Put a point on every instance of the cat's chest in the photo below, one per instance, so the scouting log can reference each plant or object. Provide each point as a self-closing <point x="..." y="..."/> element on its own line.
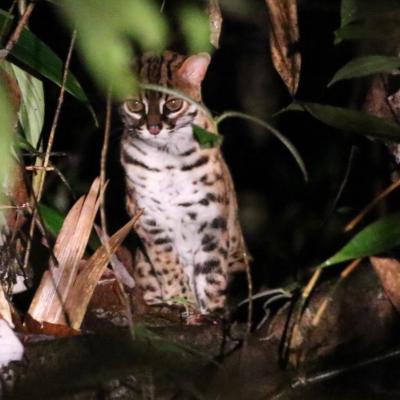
<point x="168" y="184"/>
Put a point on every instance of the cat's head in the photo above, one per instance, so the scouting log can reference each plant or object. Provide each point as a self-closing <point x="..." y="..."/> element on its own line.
<point x="156" y="115"/>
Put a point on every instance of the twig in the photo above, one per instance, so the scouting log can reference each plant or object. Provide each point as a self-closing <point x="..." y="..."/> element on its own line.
<point x="344" y="274"/>
<point x="38" y="168"/>
<point x="42" y="175"/>
<point x="250" y="294"/>
<point x="342" y="186"/>
<point x="372" y="204"/>
<point x="103" y="162"/>
<point x="5" y="23"/>
<point x="17" y="32"/>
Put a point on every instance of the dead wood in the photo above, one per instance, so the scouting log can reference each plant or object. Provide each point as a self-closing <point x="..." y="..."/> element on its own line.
<point x="359" y="322"/>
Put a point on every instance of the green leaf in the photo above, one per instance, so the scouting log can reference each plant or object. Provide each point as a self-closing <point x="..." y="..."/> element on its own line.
<point x="379" y="28"/>
<point x="205" y="138"/>
<point x="32" y="52"/>
<point x="350" y="120"/>
<point x="6" y="136"/>
<point x="105" y="31"/>
<point x="364" y="66"/>
<point x="195" y="26"/>
<point x="376" y="238"/>
<point x="31" y="111"/>
<point x="52" y="219"/>
<point x="352" y="10"/>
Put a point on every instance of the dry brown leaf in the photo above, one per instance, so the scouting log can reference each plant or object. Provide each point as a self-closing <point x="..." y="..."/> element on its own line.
<point x="32" y="326"/>
<point x="48" y="302"/>
<point x="80" y="295"/>
<point x="284" y="35"/>
<point x="215" y="21"/>
<point x="388" y="271"/>
<point x="118" y="267"/>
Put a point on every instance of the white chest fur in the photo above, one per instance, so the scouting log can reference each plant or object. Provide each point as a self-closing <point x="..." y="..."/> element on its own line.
<point x="169" y="188"/>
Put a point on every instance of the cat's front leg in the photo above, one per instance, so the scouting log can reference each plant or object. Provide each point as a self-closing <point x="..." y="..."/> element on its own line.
<point x="210" y="267"/>
<point x="165" y="263"/>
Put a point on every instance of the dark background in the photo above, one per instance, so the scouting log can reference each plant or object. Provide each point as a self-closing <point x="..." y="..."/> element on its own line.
<point x="290" y="225"/>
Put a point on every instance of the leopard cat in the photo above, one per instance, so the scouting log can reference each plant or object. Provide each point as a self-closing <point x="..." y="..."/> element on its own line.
<point x="189" y="227"/>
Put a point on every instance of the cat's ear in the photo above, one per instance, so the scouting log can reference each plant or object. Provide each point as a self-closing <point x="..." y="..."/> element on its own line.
<point x="194" y="68"/>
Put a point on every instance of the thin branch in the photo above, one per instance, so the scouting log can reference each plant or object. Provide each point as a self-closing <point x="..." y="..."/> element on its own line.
<point x="50" y="142"/>
<point x="17" y="32"/>
<point x="352" y="224"/>
<point x="103" y="162"/>
<point x="286" y="142"/>
<point x="5" y="23"/>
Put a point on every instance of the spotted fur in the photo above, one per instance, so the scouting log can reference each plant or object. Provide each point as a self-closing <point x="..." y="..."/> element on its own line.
<point x="189" y="227"/>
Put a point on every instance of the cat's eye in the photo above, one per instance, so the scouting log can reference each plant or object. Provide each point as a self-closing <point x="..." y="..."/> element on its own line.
<point x="174" y="105"/>
<point x="134" y="105"/>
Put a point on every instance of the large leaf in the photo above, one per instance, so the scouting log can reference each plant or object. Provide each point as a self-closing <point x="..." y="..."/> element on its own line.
<point x="31" y="110"/>
<point x="350" y="120"/>
<point x="364" y="66"/>
<point x="352" y="10"/>
<point x="31" y="51"/>
<point x="195" y="26"/>
<point x="377" y="28"/>
<point x="6" y="135"/>
<point x="376" y="238"/>
<point x="52" y="219"/>
<point x="105" y="31"/>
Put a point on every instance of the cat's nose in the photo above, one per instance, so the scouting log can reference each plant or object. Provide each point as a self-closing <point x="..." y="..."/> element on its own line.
<point x="154" y="129"/>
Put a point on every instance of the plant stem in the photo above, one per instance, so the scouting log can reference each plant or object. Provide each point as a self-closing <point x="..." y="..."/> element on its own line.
<point x="288" y="144"/>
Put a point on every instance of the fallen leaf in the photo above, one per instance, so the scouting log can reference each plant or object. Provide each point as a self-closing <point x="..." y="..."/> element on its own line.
<point x="118" y="266"/>
<point x="48" y="302"/>
<point x="82" y="291"/>
<point x="31" y="326"/>
<point x="284" y="35"/>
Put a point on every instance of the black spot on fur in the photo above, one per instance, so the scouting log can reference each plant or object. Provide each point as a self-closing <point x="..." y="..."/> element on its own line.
<point x="206" y="267"/>
<point x="198" y="163"/>
<point x="188" y="152"/>
<point x="162" y="240"/>
<point x="188" y="204"/>
<point x="204" y="202"/>
<point x="155" y="231"/>
<point x="223" y="252"/>
<point x="128" y="159"/>
<point x="207" y="239"/>
<point x="202" y="227"/>
<point x="218" y="223"/>
<point x="211" y="280"/>
<point x="210" y="247"/>
<point x="211" y="197"/>
<point x="150" y="288"/>
<point x="192" y="216"/>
